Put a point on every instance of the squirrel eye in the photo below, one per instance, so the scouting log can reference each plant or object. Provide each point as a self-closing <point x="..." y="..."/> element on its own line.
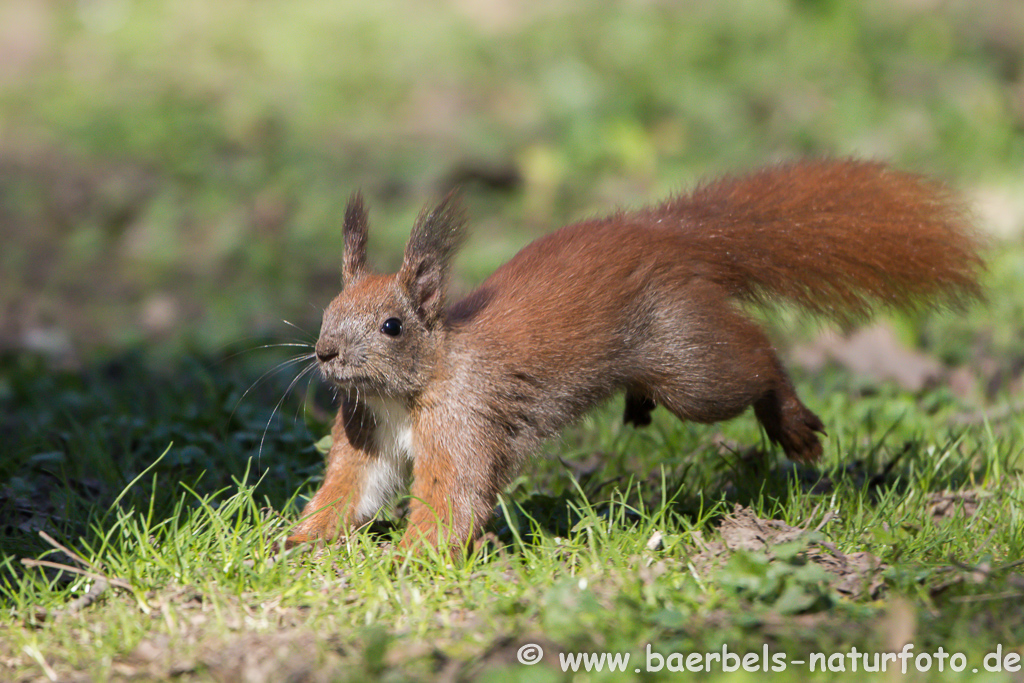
<point x="392" y="327"/>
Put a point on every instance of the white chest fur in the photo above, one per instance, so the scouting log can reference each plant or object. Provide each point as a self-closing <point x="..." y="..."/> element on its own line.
<point x="393" y="433"/>
<point x="388" y="472"/>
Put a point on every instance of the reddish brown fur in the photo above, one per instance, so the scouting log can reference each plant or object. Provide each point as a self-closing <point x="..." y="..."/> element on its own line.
<point x="642" y="302"/>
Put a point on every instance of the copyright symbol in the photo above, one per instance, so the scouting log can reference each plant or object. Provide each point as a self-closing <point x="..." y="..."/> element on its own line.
<point x="530" y="654"/>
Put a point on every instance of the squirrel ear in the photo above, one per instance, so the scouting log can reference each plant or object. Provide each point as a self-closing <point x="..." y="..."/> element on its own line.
<point x="436" y="236"/>
<point x="355" y="230"/>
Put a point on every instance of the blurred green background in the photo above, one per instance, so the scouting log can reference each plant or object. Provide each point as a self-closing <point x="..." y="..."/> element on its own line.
<point x="173" y="173"/>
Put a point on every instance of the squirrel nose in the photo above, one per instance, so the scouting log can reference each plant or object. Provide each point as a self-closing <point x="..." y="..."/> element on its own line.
<point x="326" y="349"/>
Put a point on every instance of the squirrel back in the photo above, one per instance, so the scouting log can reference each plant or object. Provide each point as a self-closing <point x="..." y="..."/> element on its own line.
<point x="839" y="238"/>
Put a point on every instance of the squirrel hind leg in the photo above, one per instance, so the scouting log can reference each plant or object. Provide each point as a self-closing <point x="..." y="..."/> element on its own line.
<point x="789" y="423"/>
<point x="786" y="420"/>
<point x="638" y="409"/>
<point x="715" y="363"/>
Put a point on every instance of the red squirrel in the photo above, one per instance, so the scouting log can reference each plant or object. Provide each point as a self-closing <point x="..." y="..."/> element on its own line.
<point x="644" y="302"/>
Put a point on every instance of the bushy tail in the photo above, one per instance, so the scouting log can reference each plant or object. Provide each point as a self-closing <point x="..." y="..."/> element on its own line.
<point x="838" y="237"/>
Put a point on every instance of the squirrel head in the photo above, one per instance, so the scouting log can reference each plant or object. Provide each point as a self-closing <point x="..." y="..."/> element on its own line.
<point x="384" y="334"/>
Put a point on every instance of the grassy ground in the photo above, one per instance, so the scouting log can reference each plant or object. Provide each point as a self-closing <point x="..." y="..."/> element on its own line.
<point x="171" y="179"/>
<point x="913" y="530"/>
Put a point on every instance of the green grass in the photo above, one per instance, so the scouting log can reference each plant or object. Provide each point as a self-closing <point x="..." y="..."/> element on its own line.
<point x="172" y="176"/>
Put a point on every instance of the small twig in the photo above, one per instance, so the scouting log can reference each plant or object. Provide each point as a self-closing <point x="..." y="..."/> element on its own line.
<point x="73" y="555"/>
<point x="101" y="582"/>
<point x="829" y="516"/>
<point x="987" y="571"/>
<point x="1011" y="565"/>
<point x="75" y="570"/>
<point x="97" y="589"/>
<point x="810" y="517"/>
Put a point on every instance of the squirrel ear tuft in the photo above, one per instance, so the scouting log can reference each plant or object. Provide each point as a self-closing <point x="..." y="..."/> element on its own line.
<point x="356" y="228"/>
<point x="436" y="237"/>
